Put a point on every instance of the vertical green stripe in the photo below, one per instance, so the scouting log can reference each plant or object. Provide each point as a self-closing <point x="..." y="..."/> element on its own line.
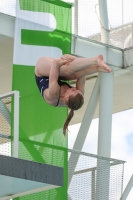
<point x="41" y="124"/>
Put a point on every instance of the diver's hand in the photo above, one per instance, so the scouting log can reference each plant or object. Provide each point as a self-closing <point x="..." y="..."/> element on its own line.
<point x="59" y="62"/>
<point x="68" y="57"/>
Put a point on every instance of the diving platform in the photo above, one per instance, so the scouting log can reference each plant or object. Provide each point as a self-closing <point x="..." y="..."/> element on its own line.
<point x="20" y="177"/>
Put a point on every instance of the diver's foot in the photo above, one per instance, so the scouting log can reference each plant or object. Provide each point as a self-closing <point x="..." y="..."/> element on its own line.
<point x="102" y="67"/>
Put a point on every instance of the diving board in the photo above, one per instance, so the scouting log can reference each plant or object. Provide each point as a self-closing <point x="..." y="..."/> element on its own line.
<point x="20" y="177"/>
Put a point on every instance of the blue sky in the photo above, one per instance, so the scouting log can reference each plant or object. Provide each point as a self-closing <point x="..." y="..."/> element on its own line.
<point x="121" y="145"/>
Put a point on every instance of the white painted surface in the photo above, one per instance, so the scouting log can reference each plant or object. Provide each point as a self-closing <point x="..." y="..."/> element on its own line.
<point x="128" y="189"/>
<point x="82" y="134"/>
<point x="16" y="125"/>
<point x="14" y="187"/>
<point x="83" y="48"/>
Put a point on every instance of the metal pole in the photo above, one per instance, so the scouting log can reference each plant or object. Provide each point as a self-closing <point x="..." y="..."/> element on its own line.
<point x="75" y="24"/>
<point x="16" y="124"/>
<point x="128" y="189"/>
<point x="93" y="184"/>
<point x="104" y="21"/>
<point x="88" y="116"/>
<point x="76" y="17"/>
<point x="132" y="34"/>
<point x="105" y="115"/>
<point x="104" y="135"/>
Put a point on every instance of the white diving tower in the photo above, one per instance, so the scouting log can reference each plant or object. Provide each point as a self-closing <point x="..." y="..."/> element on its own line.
<point x="117" y="58"/>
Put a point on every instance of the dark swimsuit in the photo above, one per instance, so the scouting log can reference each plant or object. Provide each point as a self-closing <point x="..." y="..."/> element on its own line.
<point x="43" y="84"/>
